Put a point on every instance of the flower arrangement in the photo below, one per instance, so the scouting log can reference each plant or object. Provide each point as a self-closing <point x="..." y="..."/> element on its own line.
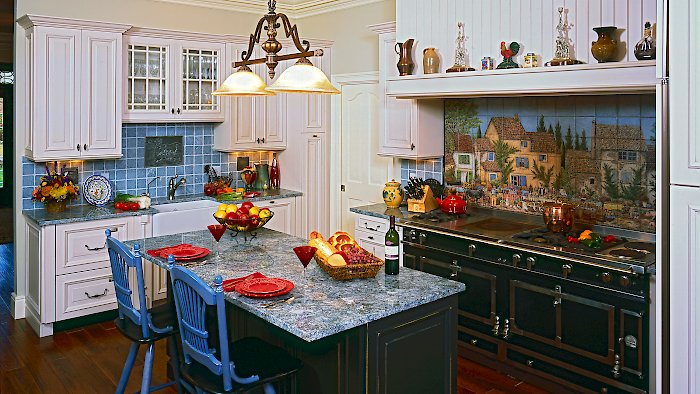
<point x="55" y="186"/>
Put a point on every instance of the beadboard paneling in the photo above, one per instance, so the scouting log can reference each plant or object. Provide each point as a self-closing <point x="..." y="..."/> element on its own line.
<point x="530" y="22"/>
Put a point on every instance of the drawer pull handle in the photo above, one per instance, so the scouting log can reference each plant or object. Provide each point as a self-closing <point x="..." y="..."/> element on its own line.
<point x="96" y="249"/>
<point x="97" y="295"/>
<point x="114" y="229"/>
<point x="530" y="363"/>
<point x="370" y="228"/>
<point x="370" y="237"/>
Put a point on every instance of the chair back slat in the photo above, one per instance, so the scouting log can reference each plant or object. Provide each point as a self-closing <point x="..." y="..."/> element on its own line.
<point x="121" y="261"/>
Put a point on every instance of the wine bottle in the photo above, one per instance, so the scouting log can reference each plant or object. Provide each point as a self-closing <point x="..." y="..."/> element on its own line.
<point x="391" y="249"/>
<point x="274" y="173"/>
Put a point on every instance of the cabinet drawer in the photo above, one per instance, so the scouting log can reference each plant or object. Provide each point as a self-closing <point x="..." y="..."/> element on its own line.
<point x="371" y="224"/>
<point x="81" y="246"/>
<point x="371" y="242"/>
<point x="84" y="293"/>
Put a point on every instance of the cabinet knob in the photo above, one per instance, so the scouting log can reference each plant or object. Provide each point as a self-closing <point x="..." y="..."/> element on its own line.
<point x="172" y="111"/>
<point x="84" y="146"/>
<point x="263" y="140"/>
<point x="78" y="147"/>
<point x="413" y="147"/>
<point x="178" y="111"/>
<point x="257" y="140"/>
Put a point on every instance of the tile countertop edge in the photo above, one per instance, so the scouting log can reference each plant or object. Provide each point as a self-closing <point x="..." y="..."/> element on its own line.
<point x="84" y="212"/>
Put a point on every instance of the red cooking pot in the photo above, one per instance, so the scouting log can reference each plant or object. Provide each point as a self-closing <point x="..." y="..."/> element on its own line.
<point x="453" y="204"/>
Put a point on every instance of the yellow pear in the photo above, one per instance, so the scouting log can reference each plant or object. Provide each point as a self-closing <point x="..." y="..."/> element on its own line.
<point x="231" y="208"/>
<point x="254" y="211"/>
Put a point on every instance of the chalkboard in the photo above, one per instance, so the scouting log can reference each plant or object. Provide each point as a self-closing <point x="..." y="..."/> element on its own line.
<point x="164" y="151"/>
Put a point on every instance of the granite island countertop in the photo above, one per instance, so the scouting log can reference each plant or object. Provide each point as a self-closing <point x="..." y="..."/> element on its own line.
<point x="383" y="212"/>
<point x="326" y="306"/>
<point x="84" y="212"/>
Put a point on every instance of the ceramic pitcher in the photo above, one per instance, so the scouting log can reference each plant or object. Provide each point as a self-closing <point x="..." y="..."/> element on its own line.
<point x="392" y="194"/>
<point x="405" y="50"/>
<point x="431" y="61"/>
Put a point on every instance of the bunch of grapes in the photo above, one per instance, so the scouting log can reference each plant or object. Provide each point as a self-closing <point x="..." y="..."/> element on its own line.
<point x="357" y="255"/>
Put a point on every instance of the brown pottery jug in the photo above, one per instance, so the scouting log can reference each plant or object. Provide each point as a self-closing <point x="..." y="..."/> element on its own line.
<point x="431" y="61"/>
<point x="404" y="50"/>
<point x="605" y="48"/>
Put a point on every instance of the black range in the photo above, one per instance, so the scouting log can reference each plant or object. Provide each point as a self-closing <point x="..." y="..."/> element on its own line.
<point x="562" y="315"/>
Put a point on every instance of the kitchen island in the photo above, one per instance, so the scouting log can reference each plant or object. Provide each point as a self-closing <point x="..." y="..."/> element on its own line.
<point x="388" y="334"/>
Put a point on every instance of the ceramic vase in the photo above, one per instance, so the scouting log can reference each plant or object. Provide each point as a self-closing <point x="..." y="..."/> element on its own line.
<point x="646" y="47"/>
<point x="605" y="49"/>
<point x="392" y="194"/>
<point x="404" y="50"/>
<point x="262" y="180"/>
<point x="55" y="206"/>
<point x="431" y="61"/>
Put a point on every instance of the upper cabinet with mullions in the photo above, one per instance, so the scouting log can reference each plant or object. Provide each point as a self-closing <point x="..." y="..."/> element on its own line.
<point x="170" y="77"/>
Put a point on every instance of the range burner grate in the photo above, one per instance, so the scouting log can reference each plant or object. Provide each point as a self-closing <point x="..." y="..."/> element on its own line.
<point x="438" y="216"/>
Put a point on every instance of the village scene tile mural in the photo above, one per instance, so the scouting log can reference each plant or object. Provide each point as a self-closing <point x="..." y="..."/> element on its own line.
<point x="596" y="152"/>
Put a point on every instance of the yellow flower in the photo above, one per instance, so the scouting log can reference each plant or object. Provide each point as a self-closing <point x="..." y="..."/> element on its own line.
<point x="58" y="193"/>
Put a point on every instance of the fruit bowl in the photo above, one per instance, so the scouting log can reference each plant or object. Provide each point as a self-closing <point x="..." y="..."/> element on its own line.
<point x="248" y="225"/>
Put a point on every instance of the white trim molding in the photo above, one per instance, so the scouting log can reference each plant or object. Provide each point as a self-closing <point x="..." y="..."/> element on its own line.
<point x="297" y="9"/>
<point x="17" y="306"/>
<point x="29" y="21"/>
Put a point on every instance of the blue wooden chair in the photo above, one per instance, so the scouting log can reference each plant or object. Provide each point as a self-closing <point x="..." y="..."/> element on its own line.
<point x="234" y="367"/>
<point x="142" y="326"/>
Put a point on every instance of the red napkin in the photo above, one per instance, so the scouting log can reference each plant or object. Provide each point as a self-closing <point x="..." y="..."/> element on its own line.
<point x="157" y="252"/>
<point x="229" y="284"/>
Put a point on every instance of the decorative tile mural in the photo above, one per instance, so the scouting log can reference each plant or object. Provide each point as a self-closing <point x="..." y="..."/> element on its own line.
<point x="597" y="152"/>
<point x="130" y="174"/>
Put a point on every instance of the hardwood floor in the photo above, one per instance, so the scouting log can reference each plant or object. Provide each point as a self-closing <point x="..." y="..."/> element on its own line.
<point x="90" y="359"/>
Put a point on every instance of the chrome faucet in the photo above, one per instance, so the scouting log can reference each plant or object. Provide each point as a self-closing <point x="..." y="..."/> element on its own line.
<point x="173" y="185"/>
<point x="148" y="187"/>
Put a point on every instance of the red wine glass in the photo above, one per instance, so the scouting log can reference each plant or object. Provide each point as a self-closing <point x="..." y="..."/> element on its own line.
<point x="305" y="254"/>
<point x="217" y="231"/>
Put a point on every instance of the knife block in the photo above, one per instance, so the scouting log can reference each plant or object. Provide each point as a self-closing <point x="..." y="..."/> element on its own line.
<point x="425" y="204"/>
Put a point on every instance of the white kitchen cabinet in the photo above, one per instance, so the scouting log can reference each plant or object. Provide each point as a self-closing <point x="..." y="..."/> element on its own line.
<point x="253" y="123"/>
<point x="170" y="76"/>
<point x="73" y="85"/>
<point x="284" y="210"/>
<point x="411" y="129"/>
<point x="69" y="273"/>
<point x="370" y="232"/>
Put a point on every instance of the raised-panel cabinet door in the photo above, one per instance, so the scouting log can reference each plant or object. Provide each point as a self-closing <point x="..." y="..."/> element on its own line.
<point x="316" y="184"/>
<point x="149" y="72"/>
<point x="396" y="119"/>
<point x="200" y="73"/>
<point x="56" y="121"/>
<point x="101" y="89"/>
<point x="684" y="104"/>
<point x="273" y="130"/>
<point x="283" y="218"/>
<point x="684" y="297"/>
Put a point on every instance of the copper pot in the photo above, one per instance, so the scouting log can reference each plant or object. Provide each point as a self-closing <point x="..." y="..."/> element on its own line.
<point x="558" y="217"/>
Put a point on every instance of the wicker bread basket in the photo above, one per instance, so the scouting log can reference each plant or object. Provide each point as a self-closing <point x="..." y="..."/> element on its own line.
<point x="351" y="271"/>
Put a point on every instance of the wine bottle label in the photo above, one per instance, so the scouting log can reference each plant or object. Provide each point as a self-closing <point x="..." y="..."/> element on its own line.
<point x="391" y="252"/>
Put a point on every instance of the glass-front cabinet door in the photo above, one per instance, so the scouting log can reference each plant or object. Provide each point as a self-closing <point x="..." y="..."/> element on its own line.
<point x="200" y="74"/>
<point x="147" y="80"/>
<point x="172" y="80"/>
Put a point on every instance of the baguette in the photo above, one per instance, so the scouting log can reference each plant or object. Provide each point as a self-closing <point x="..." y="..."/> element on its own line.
<point x="324" y="250"/>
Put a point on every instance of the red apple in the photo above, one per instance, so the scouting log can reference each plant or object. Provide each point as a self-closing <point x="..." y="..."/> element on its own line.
<point x="232" y="218"/>
<point x="243" y="218"/>
<point x="247" y="205"/>
<point x="243" y="210"/>
<point x="254" y="221"/>
<point x="209" y="189"/>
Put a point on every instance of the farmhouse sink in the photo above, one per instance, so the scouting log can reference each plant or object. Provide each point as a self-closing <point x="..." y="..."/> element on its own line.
<point x="180" y="217"/>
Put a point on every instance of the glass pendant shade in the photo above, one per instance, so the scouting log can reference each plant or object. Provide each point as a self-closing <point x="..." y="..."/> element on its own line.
<point x="303" y="77"/>
<point x="243" y="83"/>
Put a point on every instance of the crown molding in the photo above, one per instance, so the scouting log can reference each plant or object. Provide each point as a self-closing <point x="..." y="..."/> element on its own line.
<point x="302" y="9"/>
<point x="380" y="28"/>
<point x="29" y="21"/>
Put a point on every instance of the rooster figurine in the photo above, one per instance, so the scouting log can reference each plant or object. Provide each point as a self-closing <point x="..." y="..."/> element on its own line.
<point x="508" y="52"/>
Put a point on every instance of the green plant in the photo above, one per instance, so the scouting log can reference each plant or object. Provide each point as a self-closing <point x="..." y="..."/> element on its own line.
<point x="610" y="186"/>
<point x="540" y="125"/>
<point x="634" y="191"/>
<point x="542" y="174"/>
<point x="502" y="153"/>
<point x="557" y="133"/>
<point x="584" y="141"/>
<point x="569" y="144"/>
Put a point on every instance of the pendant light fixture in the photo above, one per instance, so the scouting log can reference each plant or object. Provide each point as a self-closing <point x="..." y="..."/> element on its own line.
<point x="302" y="77"/>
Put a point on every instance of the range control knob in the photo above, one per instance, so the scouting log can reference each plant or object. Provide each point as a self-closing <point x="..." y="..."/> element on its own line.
<point x="566" y="270"/>
<point x="501" y="260"/>
<point x="516" y="259"/>
<point x="412" y="235"/>
<point x="530" y="262"/>
<point x="625" y="281"/>
<point x="471" y="250"/>
<point x="606" y="277"/>
<point x="421" y="238"/>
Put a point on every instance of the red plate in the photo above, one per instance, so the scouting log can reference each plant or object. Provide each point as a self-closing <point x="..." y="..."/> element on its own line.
<point x="159" y="251"/>
<point x="262" y="285"/>
<point x="186" y="252"/>
<point x="204" y="253"/>
<point x="230" y="284"/>
<point x="289" y="286"/>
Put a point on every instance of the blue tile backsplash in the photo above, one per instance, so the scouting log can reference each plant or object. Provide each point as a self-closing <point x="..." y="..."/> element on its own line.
<point x="129" y="174"/>
<point x="424" y="169"/>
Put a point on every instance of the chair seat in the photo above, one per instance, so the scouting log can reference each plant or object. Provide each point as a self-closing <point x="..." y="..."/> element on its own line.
<point x="251" y="356"/>
<point x="162" y="316"/>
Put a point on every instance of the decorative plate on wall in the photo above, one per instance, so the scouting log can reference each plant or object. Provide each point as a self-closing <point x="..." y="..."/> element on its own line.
<point x="97" y="190"/>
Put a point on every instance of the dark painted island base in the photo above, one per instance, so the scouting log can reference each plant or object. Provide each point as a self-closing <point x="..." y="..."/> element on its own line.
<point x="414" y="351"/>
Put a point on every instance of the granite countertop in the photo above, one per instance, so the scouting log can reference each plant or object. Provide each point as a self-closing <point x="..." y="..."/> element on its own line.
<point x="326" y="306"/>
<point x="84" y="212"/>
<point x="383" y="212"/>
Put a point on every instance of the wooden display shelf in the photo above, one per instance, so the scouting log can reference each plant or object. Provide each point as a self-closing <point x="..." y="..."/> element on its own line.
<point x="605" y="78"/>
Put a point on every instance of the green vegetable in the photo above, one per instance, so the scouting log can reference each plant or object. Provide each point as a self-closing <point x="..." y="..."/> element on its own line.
<point x="229" y="197"/>
<point x="596" y="237"/>
<point x="123" y="197"/>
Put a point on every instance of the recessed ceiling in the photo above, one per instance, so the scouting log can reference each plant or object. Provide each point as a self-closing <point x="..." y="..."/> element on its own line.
<point x="294" y="8"/>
